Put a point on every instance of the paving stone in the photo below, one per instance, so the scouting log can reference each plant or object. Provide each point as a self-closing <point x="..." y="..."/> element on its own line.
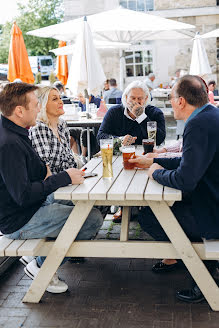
<point x="106" y="225"/>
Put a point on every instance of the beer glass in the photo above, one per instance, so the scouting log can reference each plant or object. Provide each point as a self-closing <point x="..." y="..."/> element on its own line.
<point x="148" y="145"/>
<point x="128" y="152"/>
<point x="152" y="130"/>
<point x="106" y="147"/>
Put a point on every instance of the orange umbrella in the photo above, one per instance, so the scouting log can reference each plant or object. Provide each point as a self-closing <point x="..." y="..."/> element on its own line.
<point x="62" y="66"/>
<point x="18" y="62"/>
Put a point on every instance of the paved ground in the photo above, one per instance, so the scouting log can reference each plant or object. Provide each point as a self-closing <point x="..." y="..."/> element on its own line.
<point x="105" y="293"/>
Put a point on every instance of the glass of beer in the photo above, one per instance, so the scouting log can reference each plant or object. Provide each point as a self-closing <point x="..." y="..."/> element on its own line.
<point x="152" y="130"/>
<point x="128" y="152"/>
<point x="148" y="145"/>
<point x="106" y="146"/>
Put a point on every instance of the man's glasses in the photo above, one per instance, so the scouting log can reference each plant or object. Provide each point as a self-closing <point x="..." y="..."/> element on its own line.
<point x="170" y="97"/>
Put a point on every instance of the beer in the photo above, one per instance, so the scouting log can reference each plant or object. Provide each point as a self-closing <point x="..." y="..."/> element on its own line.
<point x="148" y="145"/>
<point x="106" y="146"/>
<point x="128" y="152"/>
<point x="152" y="134"/>
<point x="152" y="130"/>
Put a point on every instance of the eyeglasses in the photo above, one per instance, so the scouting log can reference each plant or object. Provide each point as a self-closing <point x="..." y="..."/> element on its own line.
<point x="170" y="97"/>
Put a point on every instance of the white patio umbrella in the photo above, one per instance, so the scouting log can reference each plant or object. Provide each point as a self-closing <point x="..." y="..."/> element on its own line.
<point x="199" y="62"/>
<point x="212" y="34"/>
<point x="118" y="25"/>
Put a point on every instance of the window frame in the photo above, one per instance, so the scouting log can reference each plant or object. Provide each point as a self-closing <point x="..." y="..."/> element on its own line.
<point x="133" y="50"/>
<point x="147" y="6"/>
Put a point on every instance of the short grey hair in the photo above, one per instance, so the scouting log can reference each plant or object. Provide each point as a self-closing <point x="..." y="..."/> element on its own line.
<point x="151" y="75"/>
<point x="43" y="95"/>
<point x="136" y="85"/>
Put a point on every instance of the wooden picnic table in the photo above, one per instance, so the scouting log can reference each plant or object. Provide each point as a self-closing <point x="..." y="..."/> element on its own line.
<point x="127" y="188"/>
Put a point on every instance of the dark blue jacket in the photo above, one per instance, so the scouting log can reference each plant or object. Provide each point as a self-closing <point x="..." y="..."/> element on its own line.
<point x="115" y="123"/>
<point x="93" y="100"/>
<point x="197" y="171"/>
<point x="22" y="173"/>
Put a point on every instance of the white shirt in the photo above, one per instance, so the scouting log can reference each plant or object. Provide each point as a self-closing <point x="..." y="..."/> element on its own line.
<point x="138" y="119"/>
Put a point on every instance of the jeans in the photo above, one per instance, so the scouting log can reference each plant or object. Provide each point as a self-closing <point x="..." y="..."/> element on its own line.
<point x="49" y="220"/>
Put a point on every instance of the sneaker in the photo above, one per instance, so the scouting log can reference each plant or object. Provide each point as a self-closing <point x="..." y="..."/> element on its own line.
<point x="26" y="259"/>
<point x="55" y="286"/>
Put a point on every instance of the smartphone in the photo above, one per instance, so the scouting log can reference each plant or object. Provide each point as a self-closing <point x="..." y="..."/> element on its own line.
<point x="90" y="175"/>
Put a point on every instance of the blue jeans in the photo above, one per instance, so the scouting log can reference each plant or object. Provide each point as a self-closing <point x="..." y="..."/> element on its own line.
<point x="49" y="220"/>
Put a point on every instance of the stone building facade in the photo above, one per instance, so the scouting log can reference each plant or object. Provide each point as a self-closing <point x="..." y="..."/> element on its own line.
<point x="163" y="57"/>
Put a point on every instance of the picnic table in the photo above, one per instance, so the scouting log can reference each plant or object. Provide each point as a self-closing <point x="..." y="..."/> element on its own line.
<point x="127" y="188"/>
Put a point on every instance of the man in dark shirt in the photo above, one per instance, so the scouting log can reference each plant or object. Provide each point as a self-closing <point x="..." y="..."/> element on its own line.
<point x="196" y="173"/>
<point x="130" y="119"/>
<point x="27" y="206"/>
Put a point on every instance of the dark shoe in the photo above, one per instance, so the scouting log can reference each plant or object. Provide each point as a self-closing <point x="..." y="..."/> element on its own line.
<point x="117" y="217"/>
<point x="193" y="295"/>
<point x="161" y="267"/>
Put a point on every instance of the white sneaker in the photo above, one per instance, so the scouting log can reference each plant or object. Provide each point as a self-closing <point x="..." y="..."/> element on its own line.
<point x="55" y="286"/>
<point x="26" y="259"/>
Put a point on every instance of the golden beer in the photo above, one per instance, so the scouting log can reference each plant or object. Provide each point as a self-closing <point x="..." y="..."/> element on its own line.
<point x="106" y="146"/>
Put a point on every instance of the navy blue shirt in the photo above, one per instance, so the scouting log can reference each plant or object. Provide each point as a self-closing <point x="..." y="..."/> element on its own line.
<point x="197" y="171"/>
<point x="93" y="100"/>
<point x="115" y="123"/>
<point x="22" y="174"/>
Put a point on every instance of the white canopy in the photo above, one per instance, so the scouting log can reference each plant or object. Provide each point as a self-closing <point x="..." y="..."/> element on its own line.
<point x="212" y="34"/>
<point x="86" y="71"/>
<point x="118" y="25"/>
<point x="199" y="63"/>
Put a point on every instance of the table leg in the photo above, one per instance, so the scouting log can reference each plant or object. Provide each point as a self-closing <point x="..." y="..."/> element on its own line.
<point x="188" y="254"/>
<point x="61" y="246"/>
<point x="88" y="144"/>
<point x="126" y="213"/>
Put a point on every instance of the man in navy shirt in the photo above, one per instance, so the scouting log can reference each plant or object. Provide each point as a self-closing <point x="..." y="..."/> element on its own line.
<point x="27" y="206"/>
<point x="196" y="173"/>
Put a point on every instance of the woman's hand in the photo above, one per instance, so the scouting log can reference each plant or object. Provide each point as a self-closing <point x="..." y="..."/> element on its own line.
<point x="76" y="175"/>
<point x="142" y="162"/>
<point x="48" y="173"/>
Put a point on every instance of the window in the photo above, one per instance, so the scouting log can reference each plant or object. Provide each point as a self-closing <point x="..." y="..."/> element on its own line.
<point x="138" y="62"/>
<point x="138" y="5"/>
<point x="46" y="62"/>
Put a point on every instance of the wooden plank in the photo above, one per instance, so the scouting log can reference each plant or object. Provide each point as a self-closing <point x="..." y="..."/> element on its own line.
<point x="172" y="194"/>
<point x="137" y="186"/>
<point x="101" y="188"/>
<point x="124" y="233"/>
<point x="4" y="243"/>
<point x="118" y="189"/>
<point x="12" y="249"/>
<point x="211" y="248"/>
<point x="153" y="191"/>
<point x="30" y="247"/>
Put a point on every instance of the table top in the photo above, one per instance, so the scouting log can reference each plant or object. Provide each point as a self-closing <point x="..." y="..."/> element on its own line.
<point x="125" y="185"/>
<point x="82" y="121"/>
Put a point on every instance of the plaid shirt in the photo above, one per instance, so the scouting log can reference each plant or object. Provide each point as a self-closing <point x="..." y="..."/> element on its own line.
<point x="57" y="154"/>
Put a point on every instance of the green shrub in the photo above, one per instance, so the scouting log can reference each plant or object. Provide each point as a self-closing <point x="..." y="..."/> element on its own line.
<point x="52" y="78"/>
<point x="38" y="78"/>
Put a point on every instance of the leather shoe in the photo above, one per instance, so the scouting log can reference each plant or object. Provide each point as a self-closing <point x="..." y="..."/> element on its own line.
<point x="193" y="295"/>
<point x="161" y="267"/>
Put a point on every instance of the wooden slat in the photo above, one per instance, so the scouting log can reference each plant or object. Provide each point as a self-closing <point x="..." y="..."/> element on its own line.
<point x="12" y="249"/>
<point x="137" y="186"/>
<point x="211" y="248"/>
<point x="124" y="234"/>
<point x="154" y="191"/>
<point x="4" y="243"/>
<point x="118" y="189"/>
<point x="101" y="188"/>
<point x="30" y="247"/>
<point x="172" y="194"/>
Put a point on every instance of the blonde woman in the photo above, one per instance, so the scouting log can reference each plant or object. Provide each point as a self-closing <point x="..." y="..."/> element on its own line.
<point x="51" y="137"/>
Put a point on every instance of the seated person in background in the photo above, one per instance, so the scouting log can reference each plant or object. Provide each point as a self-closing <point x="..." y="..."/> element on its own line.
<point x="58" y="85"/>
<point x="92" y="100"/>
<point x="129" y="120"/>
<point x="149" y="81"/>
<point x="50" y="136"/>
<point x="196" y="173"/>
<point x="211" y="88"/>
<point x="106" y="86"/>
<point x="175" y="78"/>
<point x="27" y="208"/>
<point x="113" y="95"/>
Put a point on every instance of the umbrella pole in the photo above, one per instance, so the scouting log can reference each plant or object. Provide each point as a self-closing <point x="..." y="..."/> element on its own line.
<point x="88" y="129"/>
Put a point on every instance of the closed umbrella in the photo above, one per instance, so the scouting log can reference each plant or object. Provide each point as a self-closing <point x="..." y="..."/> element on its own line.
<point x="199" y="63"/>
<point x="212" y="34"/>
<point x="18" y="62"/>
<point x="62" y="65"/>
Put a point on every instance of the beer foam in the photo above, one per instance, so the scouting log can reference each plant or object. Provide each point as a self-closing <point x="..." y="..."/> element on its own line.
<point x="128" y="150"/>
<point x="106" y="146"/>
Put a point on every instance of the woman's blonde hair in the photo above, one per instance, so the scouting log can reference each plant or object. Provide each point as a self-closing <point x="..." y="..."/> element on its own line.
<point x="43" y="95"/>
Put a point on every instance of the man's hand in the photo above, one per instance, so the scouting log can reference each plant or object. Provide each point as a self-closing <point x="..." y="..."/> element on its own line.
<point x="128" y="140"/>
<point x="151" y="155"/>
<point x="136" y="108"/>
<point x="142" y="162"/>
<point x="153" y="168"/>
<point x="76" y="175"/>
<point x="48" y="173"/>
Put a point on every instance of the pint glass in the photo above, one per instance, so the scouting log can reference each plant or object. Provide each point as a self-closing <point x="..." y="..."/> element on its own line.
<point x="152" y="130"/>
<point x="106" y="146"/>
<point x="128" y="152"/>
<point x="148" y="145"/>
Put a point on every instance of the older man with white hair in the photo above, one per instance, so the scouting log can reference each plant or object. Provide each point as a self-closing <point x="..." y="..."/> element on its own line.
<point x="149" y="81"/>
<point x="129" y="119"/>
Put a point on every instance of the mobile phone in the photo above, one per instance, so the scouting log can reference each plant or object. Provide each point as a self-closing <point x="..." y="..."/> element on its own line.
<point x="90" y="175"/>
